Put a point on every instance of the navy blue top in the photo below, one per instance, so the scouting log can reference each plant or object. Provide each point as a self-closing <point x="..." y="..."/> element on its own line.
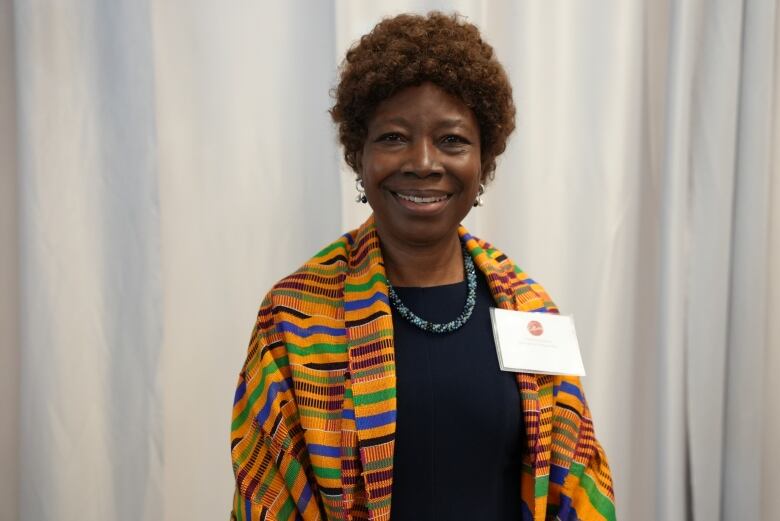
<point x="460" y="435"/>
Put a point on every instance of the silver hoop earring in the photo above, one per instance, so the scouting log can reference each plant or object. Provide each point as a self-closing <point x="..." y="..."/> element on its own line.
<point x="478" y="200"/>
<point x="361" y="191"/>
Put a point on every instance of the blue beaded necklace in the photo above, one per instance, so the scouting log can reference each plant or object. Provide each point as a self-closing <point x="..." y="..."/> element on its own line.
<point x="449" y="327"/>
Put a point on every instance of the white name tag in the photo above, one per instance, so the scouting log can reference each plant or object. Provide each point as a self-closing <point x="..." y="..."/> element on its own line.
<point x="536" y="342"/>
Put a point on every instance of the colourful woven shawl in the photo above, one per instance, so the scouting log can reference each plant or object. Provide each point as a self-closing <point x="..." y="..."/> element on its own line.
<point x="314" y="414"/>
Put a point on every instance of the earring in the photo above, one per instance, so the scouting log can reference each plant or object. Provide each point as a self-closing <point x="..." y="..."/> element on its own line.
<point x="361" y="191"/>
<point x="478" y="200"/>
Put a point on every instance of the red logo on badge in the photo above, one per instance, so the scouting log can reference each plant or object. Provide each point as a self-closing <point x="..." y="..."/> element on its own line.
<point x="535" y="328"/>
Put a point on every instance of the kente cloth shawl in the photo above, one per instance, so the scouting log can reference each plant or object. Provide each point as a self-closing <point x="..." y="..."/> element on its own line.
<point x="314" y="413"/>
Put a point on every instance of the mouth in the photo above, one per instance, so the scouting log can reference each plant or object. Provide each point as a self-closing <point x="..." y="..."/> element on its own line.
<point x="422" y="201"/>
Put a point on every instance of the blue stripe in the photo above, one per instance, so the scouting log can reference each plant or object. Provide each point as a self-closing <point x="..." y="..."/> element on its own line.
<point x="566" y="512"/>
<point x="304" y="499"/>
<point x="240" y="392"/>
<point x="558" y="474"/>
<point x="289" y="327"/>
<point x="529" y="280"/>
<point x="349" y="414"/>
<point x="375" y="420"/>
<point x="273" y="389"/>
<point x="527" y="515"/>
<point x="248" y="510"/>
<point x="569" y="388"/>
<point x="360" y="304"/>
<point x="349" y="238"/>
<point x="324" y="450"/>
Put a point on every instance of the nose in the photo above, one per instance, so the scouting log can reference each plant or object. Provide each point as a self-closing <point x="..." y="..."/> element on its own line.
<point x="423" y="159"/>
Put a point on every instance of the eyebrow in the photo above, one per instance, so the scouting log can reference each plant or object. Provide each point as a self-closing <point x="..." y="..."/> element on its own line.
<point x="450" y="122"/>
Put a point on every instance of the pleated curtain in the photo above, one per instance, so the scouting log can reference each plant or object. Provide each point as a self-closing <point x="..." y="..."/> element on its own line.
<point x="163" y="163"/>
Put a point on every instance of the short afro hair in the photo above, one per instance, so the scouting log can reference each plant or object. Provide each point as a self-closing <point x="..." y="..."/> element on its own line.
<point x="410" y="49"/>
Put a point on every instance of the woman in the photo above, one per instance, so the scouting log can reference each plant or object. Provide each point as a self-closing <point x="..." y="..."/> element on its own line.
<point x="372" y="387"/>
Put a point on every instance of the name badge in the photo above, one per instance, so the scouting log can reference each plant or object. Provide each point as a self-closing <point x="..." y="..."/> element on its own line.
<point x="536" y="342"/>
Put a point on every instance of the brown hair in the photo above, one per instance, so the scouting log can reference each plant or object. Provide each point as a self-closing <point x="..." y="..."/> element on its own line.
<point x="410" y="49"/>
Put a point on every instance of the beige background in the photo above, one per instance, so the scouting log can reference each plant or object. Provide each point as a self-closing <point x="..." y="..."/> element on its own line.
<point x="163" y="163"/>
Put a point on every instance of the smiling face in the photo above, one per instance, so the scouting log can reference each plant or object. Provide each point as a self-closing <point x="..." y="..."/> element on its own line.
<point x="420" y="165"/>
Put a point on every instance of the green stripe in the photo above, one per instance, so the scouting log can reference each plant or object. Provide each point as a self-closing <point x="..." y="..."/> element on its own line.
<point x="306" y="297"/>
<point x="378" y="396"/>
<point x="327" y="472"/>
<point x="382" y="333"/>
<point x="293" y="469"/>
<point x="271" y="368"/>
<point x="370" y="372"/>
<point x="317" y="378"/>
<point x="378" y="277"/>
<point x="287" y="509"/>
<point x="566" y="433"/>
<point x="375" y="505"/>
<point x="541" y="486"/>
<point x="314" y="413"/>
<point x="379" y="464"/>
<point x="329" y="248"/>
<point x="317" y="349"/>
<point x="248" y="449"/>
<point x="239" y="507"/>
<point x="600" y="502"/>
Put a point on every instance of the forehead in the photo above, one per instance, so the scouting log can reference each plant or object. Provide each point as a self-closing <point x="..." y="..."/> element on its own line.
<point x="423" y="103"/>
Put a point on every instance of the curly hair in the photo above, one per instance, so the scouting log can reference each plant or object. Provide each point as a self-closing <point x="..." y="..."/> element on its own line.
<point x="408" y="50"/>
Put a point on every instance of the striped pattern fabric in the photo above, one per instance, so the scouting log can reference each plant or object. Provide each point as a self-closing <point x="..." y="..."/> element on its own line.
<point x="314" y="413"/>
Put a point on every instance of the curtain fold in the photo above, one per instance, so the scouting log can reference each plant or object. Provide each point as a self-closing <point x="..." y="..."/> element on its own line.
<point x="91" y="322"/>
<point x="163" y="147"/>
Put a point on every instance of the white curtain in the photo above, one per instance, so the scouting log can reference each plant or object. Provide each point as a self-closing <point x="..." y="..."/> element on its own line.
<point x="165" y="162"/>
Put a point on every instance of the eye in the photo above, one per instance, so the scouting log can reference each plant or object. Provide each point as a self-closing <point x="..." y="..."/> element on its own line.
<point x="390" y="137"/>
<point x="454" y="140"/>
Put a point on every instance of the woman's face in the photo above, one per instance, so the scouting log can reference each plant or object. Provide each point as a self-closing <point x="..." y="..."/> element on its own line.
<point x="421" y="165"/>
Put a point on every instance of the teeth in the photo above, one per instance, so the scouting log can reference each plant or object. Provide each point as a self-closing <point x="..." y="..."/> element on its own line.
<point x="421" y="200"/>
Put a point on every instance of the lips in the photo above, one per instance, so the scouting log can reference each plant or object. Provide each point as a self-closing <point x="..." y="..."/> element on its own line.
<point x="422" y="200"/>
<point x="421" y="196"/>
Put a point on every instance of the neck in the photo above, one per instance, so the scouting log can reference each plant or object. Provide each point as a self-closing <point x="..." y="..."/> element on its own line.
<point x="423" y="265"/>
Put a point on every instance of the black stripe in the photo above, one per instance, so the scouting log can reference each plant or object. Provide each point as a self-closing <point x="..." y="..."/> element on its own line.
<point x="290" y="311"/>
<point x="377" y="441"/>
<point x="353" y="323"/>
<point x="328" y="366"/>
<point x="569" y="407"/>
<point x="334" y="259"/>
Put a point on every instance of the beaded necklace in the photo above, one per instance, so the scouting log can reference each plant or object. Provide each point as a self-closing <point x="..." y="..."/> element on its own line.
<point x="454" y="325"/>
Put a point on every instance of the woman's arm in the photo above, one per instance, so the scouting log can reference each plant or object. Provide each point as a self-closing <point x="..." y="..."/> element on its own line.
<point x="270" y="461"/>
<point x="580" y="479"/>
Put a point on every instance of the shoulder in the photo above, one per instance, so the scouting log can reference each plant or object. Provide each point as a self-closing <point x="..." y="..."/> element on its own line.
<point x="507" y="279"/>
<point x="317" y="286"/>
